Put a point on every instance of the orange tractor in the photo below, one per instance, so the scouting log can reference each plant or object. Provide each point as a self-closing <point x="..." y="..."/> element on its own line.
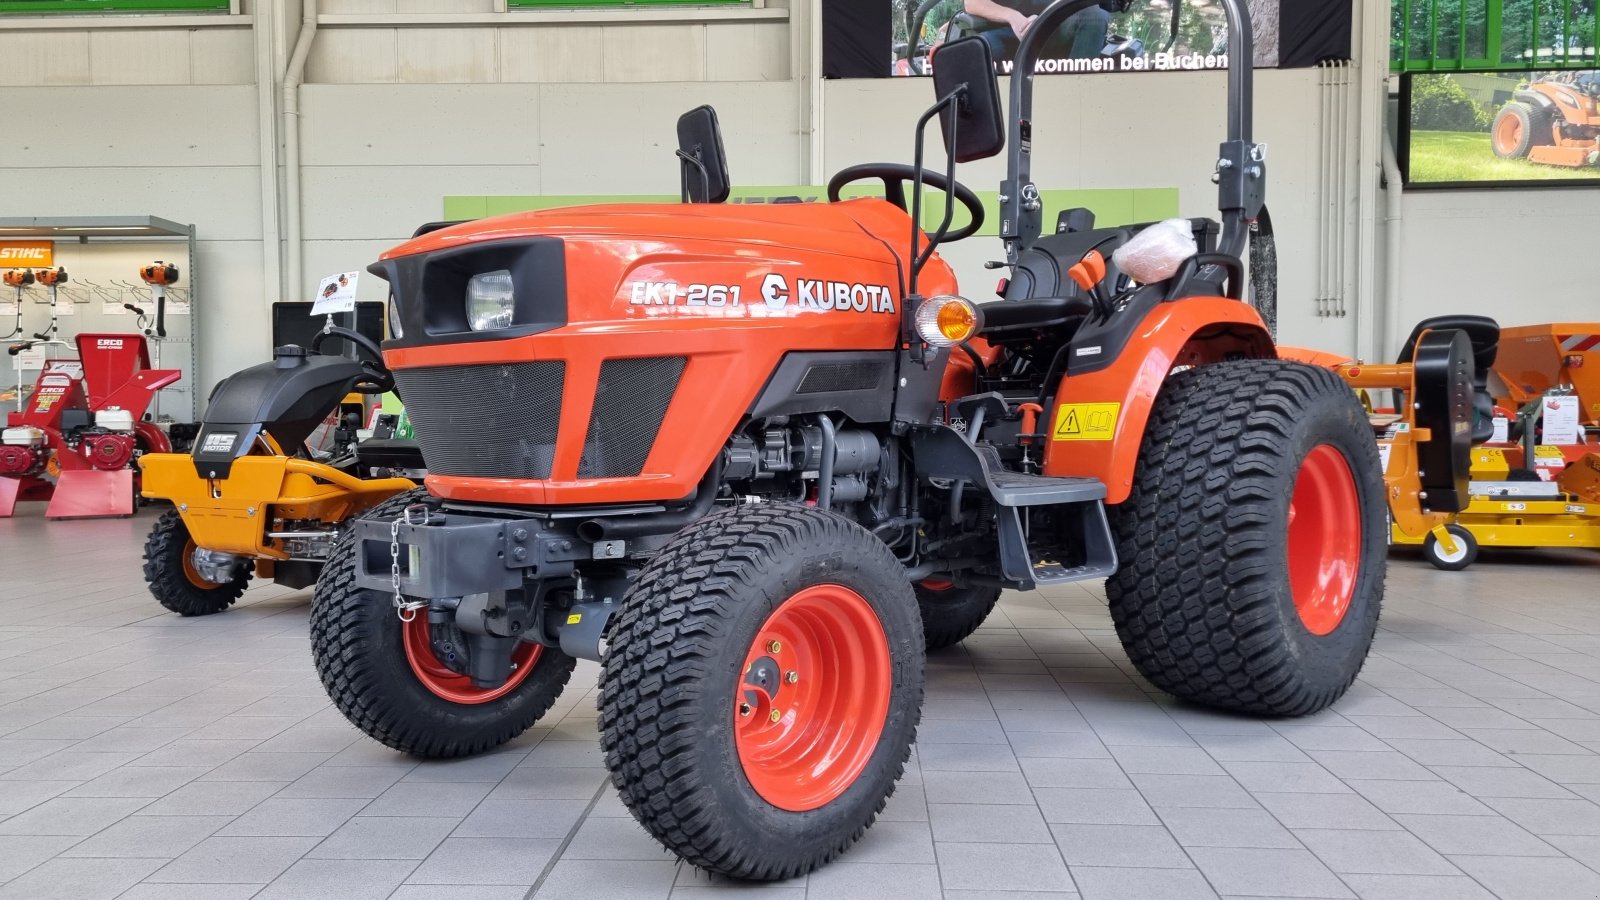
<point x="758" y="460"/>
<point x="1553" y="121"/>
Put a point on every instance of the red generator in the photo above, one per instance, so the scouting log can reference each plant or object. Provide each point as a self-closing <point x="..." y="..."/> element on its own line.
<point x="75" y="440"/>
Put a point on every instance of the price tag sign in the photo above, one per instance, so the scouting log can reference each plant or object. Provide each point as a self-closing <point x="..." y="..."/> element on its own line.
<point x="29" y="359"/>
<point x="1561" y="420"/>
<point x="336" y="294"/>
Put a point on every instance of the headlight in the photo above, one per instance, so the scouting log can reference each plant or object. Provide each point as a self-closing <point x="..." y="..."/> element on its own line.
<point x="395" y="331"/>
<point x="490" y="301"/>
<point x="948" y="320"/>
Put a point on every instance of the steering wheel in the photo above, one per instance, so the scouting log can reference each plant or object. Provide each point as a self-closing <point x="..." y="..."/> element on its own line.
<point x="896" y="176"/>
<point x="377" y="379"/>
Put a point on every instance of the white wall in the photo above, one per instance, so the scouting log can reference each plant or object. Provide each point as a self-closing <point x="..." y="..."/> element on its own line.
<point x="1523" y="257"/>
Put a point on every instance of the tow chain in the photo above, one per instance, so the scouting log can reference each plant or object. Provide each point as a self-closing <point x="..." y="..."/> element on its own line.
<point x="405" y="609"/>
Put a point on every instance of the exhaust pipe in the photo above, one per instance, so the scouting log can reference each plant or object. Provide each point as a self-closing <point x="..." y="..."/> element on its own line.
<point x="617" y="528"/>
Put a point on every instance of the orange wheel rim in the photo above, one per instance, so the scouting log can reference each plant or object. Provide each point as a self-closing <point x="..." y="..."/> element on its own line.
<point x="1508" y="134"/>
<point x="938" y="584"/>
<point x="450" y="685"/>
<point x="192" y="573"/>
<point x="1324" y="539"/>
<point x="813" y="698"/>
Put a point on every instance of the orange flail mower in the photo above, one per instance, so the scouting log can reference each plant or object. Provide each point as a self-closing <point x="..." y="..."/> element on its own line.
<point x="757" y="461"/>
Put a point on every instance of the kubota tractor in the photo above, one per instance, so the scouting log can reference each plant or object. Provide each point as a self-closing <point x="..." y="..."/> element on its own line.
<point x="757" y="459"/>
<point x="1554" y="121"/>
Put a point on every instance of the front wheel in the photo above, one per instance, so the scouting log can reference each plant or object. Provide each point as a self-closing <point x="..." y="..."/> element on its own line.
<point x="1252" y="546"/>
<point x="174" y="579"/>
<point x="762" y="690"/>
<point x="401" y="682"/>
<point x="952" y="612"/>
<point x="1465" y="554"/>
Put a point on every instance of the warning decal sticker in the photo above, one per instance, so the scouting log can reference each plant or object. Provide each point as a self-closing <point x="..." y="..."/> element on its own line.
<point x="1086" y="421"/>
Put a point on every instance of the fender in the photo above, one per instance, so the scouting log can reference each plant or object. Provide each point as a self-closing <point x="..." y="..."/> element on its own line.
<point x="1098" y="419"/>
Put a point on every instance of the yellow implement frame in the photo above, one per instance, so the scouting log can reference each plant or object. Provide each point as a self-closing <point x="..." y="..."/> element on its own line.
<point x="234" y="514"/>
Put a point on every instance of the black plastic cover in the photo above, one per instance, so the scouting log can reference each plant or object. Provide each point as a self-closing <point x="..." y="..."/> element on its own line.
<point x="430" y="289"/>
<point x="1443" y="381"/>
<point x="288" y="398"/>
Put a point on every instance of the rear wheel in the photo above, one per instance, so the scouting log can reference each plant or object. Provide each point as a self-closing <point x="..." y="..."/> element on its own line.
<point x="762" y="690"/>
<point x="1252" y="545"/>
<point x="393" y="679"/>
<point x="1465" y="554"/>
<point x="950" y="612"/>
<point x="1518" y="128"/>
<point x="174" y="579"/>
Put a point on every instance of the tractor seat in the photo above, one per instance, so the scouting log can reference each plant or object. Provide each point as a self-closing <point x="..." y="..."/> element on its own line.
<point x="1484" y="335"/>
<point x="1041" y="270"/>
<point x="1007" y="317"/>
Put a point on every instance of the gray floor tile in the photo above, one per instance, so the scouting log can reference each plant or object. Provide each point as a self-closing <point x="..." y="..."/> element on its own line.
<point x="293" y="818"/>
<point x="1494" y="781"/>
<point x="1087" y="806"/>
<point x="235" y="860"/>
<point x="551" y="783"/>
<point x="1165" y="761"/>
<point x="1074" y="773"/>
<point x="199" y="798"/>
<point x="976" y="787"/>
<point x="491" y="767"/>
<point x="1471" y="835"/>
<point x="1286" y="777"/>
<point x="1564" y="769"/>
<point x="1101" y="883"/>
<point x="487" y="861"/>
<point x="407" y="798"/>
<point x="1542" y="817"/>
<point x="386" y="837"/>
<point x="615" y="839"/>
<point x="139" y="781"/>
<point x="1325" y="811"/>
<point x="21" y="852"/>
<point x="79" y="879"/>
<point x="1002" y="867"/>
<point x="987" y="823"/>
<point x="19" y="796"/>
<point x="337" y="879"/>
<point x="342" y="783"/>
<point x="256" y="766"/>
<point x="1374" y="852"/>
<point x="1285" y="873"/>
<point x="521" y="818"/>
<point x="849" y="880"/>
<point x="460" y="892"/>
<point x="964" y="757"/>
<point x="1203" y="827"/>
<point x="146" y="891"/>
<point x="1383" y="764"/>
<point x="1259" y="747"/>
<point x="72" y="815"/>
<point x="151" y="836"/>
<point x="1428" y="797"/>
<point x="1215" y="791"/>
<point x="1512" y="878"/>
<point x="1119" y="845"/>
<point x="581" y="879"/>
<point x="1417" y="887"/>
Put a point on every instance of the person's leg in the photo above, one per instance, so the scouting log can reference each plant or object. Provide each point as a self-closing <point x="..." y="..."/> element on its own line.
<point x="1082" y="36"/>
<point x="1002" y="43"/>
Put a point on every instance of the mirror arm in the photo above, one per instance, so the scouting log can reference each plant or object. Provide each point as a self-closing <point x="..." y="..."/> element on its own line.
<point x="683" y="175"/>
<point x="920" y="257"/>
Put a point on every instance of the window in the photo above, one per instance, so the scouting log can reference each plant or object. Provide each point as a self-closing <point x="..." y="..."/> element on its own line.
<point x="1484" y="35"/>
<point x="34" y="7"/>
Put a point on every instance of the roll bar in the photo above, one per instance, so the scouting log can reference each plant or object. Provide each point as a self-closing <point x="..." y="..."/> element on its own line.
<point x="1241" y="166"/>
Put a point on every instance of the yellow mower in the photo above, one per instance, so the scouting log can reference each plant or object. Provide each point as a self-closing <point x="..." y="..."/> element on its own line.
<point x="251" y="498"/>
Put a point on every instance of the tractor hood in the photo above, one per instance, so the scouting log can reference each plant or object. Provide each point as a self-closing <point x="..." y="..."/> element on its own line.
<point x="605" y="264"/>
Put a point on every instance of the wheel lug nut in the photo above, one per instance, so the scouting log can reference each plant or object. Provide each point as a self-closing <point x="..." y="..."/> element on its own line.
<point x="774" y="647"/>
<point x="792" y="677"/>
<point x="744" y="709"/>
<point x="776" y="715"/>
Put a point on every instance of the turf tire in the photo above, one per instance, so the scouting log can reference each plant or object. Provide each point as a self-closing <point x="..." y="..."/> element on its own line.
<point x="357" y="646"/>
<point x="673" y="667"/>
<point x="168" y="578"/>
<point x="1202" y="599"/>
<point x="950" y="616"/>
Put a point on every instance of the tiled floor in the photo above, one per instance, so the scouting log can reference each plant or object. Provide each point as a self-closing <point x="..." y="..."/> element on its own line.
<point x="146" y="756"/>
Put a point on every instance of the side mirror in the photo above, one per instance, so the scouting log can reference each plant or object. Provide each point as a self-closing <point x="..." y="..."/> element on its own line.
<point x="705" y="165"/>
<point x="980" y="130"/>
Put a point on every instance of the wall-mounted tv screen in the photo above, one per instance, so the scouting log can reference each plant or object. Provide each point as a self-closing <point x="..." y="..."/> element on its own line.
<point x="1502" y="129"/>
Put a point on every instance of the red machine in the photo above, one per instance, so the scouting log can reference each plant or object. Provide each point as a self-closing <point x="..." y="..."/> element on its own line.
<point x="75" y="440"/>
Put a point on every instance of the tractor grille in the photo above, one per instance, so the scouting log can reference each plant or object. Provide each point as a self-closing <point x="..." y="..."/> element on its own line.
<point x="828" y="378"/>
<point x="629" y="406"/>
<point x="488" y="421"/>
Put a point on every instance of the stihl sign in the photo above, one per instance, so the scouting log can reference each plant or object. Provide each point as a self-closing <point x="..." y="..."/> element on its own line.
<point x="15" y="254"/>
